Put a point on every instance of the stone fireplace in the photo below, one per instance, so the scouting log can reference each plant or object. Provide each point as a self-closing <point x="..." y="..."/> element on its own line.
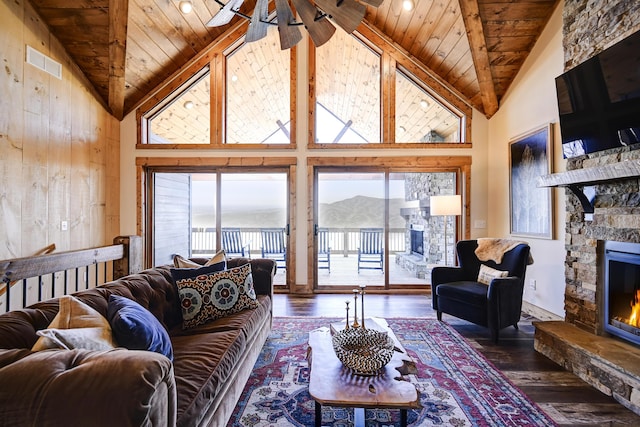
<point x="583" y="343"/>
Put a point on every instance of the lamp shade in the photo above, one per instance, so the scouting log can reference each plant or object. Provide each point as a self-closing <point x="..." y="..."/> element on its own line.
<point x="446" y="205"/>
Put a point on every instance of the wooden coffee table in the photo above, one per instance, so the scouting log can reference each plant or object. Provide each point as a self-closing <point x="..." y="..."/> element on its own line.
<point x="332" y="384"/>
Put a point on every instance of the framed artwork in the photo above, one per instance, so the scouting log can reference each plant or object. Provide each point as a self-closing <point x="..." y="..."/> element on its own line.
<point x="531" y="207"/>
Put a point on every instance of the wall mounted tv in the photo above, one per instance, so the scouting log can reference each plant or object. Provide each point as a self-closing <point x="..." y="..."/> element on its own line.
<point x="599" y="100"/>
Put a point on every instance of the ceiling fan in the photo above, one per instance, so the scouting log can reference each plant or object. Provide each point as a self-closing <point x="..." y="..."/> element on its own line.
<point x="346" y="13"/>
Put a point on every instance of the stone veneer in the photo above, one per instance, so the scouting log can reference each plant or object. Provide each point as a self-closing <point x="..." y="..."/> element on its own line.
<point x="616" y="217"/>
<point x="421" y="186"/>
<point x="589" y="27"/>
<point x="579" y="343"/>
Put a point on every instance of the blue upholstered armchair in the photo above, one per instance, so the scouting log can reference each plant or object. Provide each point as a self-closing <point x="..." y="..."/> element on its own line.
<point x="495" y="304"/>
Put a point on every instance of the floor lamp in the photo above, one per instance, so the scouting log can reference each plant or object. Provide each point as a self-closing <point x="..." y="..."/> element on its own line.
<point x="445" y="206"/>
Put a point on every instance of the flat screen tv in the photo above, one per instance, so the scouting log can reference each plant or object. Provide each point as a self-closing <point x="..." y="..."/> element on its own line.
<point x="599" y="100"/>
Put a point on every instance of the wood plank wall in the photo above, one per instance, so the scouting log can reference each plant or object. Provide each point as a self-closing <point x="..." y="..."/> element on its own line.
<point x="59" y="147"/>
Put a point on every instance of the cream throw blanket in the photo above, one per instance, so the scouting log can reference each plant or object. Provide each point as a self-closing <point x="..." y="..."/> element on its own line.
<point x="490" y="249"/>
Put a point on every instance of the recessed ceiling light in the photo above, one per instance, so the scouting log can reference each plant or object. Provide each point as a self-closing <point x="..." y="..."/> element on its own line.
<point x="234" y="78"/>
<point x="424" y="104"/>
<point x="407" y="5"/>
<point x="188" y="105"/>
<point x="186" y="7"/>
<point x="402" y="129"/>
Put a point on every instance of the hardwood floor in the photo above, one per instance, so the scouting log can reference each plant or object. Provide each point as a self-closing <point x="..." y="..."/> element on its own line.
<point x="562" y="395"/>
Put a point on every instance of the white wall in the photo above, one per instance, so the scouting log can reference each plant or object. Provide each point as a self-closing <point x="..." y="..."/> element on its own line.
<point x="529" y="103"/>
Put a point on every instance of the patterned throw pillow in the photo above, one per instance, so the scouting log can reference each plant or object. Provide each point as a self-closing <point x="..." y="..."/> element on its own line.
<point x="207" y="297"/>
<point x="487" y="274"/>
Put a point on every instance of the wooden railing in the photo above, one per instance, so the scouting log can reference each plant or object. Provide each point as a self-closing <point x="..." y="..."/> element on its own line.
<point x="342" y="240"/>
<point x="25" y="281"/>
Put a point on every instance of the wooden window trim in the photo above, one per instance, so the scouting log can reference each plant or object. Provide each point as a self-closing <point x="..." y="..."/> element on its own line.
<point x="146" y="165"/>
<point x="214" y="56"/>
<point x="461" y="165"/>
<point x="391" y="56"/>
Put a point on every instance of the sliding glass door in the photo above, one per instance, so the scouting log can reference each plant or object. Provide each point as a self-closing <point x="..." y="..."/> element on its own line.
<point x="198" y="213"/>
<point x="255" y="205"/>
<point x="350" y="228"/>
<point x="375" y="228"/>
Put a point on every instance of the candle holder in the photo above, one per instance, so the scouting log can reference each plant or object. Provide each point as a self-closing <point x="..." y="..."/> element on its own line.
<point x="355" y="309"/>
<point x="362" y="292"/>
<point x="346" y="323"/>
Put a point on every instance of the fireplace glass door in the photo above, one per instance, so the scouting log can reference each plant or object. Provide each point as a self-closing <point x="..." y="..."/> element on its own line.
<point x="622" y="290"/>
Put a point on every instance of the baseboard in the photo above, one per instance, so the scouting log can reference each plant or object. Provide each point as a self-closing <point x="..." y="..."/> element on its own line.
<point x="539" y="313"/>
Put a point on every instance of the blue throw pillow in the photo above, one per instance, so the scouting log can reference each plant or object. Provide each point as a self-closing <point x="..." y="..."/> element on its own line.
<point x="135" y="328"/>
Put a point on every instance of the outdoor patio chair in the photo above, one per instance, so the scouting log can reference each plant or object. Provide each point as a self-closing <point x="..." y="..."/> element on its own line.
<point x="273" y="245"/>
<point x="324" y="250"/>
<point x="371" y="249"/>
<point x="232" y="243"/>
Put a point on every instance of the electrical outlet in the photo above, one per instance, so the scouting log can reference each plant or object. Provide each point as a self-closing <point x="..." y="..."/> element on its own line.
<point x="479" y="223"/>
<point x="64" y="225"/>
<point x="532" y="284"/>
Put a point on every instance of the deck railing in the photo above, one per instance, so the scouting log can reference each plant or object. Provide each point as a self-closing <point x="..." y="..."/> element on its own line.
<point x="341" y="240"/>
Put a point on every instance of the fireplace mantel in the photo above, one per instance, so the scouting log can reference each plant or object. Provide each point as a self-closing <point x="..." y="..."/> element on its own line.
<point x="592" y="175"/>
<point x="577" y="179"/>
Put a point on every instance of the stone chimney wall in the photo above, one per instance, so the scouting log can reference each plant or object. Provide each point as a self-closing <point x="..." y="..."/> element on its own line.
<point x="589" y="27"/>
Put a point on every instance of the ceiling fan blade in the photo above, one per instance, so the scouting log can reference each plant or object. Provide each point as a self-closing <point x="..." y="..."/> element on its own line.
<point x="347" y="13"/>
<point x="374" y="3"/>
<point x="258" y="26"/>
<point x="289" y="34"/>
<point x="225" y="13"/>
<point x="319" y="30"/>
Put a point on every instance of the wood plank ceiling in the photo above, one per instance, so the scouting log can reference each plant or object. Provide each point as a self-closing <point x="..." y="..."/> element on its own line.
<point x="127" y="47"/>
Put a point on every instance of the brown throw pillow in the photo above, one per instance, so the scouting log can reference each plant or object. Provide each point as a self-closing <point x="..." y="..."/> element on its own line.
<point x="181" y="262"/>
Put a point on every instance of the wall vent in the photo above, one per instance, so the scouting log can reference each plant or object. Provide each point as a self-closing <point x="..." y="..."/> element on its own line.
<point x="43" y="62"/>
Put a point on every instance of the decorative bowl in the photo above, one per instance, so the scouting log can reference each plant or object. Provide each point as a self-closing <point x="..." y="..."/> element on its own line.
<point x="364" y="351"/>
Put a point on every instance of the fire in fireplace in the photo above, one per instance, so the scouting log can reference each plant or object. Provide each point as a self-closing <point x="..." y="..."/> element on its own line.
<point x="622" y="290"/>
<point x="417" y="241"/>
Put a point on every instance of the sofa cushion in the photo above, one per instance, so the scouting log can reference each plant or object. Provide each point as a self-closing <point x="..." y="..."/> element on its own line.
<point x="76" y="326"/>
<point x="248" y="321"/>
<point x="206" y="297"/>
<point x="202" y="364"/>
<point x="135" y="328"/>
<point x="487" y="274"/>
<point x="474" y="293"/>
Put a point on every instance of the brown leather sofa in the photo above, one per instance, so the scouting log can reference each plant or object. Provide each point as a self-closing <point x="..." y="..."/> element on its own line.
<point x="129" y="387"/>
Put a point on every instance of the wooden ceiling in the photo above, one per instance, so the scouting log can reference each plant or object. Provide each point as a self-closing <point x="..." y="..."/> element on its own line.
<point x="128" y="47"/>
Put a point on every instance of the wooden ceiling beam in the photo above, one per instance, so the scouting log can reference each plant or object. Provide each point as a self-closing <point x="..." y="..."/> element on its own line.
<point x="118" y="16"/>
<point x="477" y="42"/>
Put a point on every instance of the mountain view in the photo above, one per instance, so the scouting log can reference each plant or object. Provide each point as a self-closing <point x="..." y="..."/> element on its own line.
<point x="355" y="212"/>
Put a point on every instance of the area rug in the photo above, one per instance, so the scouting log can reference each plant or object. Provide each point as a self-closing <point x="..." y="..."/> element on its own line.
<point x="457" y="385"/>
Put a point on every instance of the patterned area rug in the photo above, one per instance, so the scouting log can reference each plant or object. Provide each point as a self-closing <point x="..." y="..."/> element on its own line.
<point x="457" y="385"/>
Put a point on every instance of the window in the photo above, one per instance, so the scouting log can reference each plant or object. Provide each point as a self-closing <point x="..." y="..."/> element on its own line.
<point x="245" y="95"/>
<point x="420" y="117"/>
<point x="375" y="228"/>
<point x="258" y="93"/>
<point x="184" y="117"/>
<point x="347" y="91"/>
<point x="199" y="213"/>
